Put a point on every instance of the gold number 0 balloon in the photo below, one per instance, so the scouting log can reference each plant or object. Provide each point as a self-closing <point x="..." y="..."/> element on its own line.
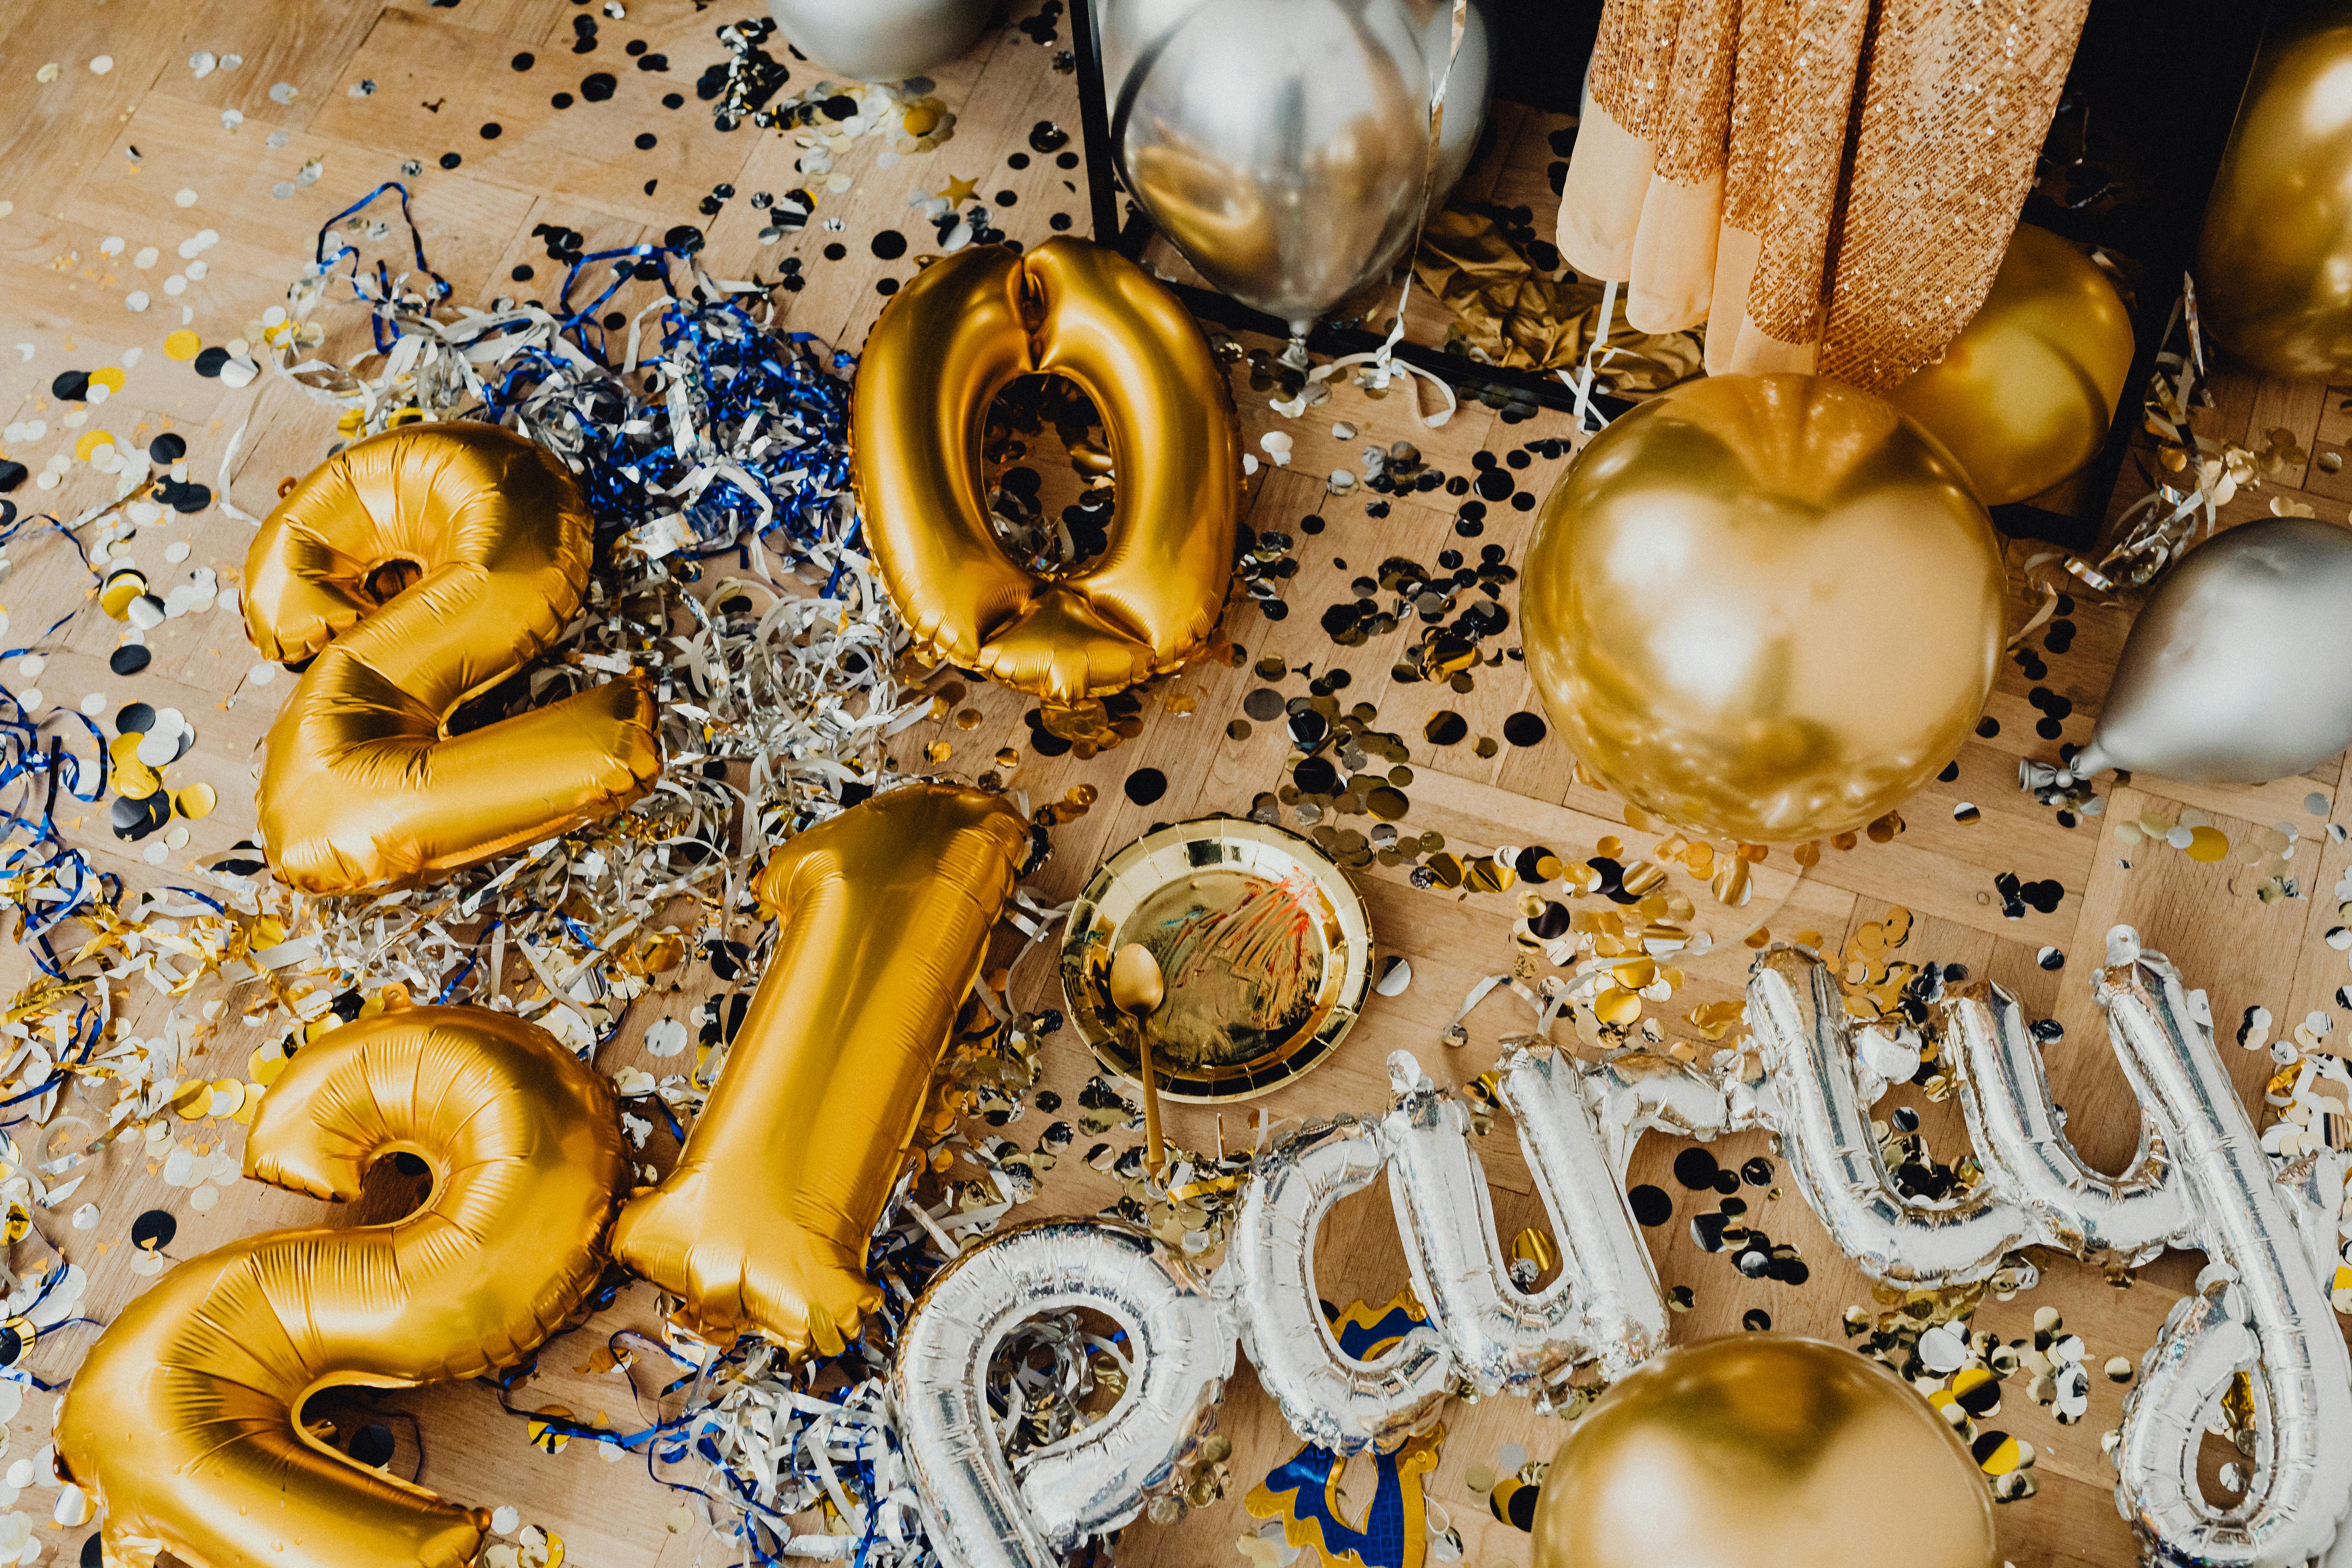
<point x="886" y="913"/>
<point x="182" y="1420"/>
<point x="420" y="568"/>
<point x="944" y="348"/>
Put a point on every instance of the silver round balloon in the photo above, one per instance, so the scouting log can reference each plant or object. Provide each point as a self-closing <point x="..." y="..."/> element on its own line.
<point x="2239" y="669"/>
<point x="881" y="40"/>
<point x="1284" y="145"/>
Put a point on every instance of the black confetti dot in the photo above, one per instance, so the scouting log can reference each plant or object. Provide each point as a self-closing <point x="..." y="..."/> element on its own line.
<point x="1757" y="1173"/>
<point x="73" y="386"/>
<point x="889" y="244"/>
<point x="134" y="719"/>
<point x="647" y="141"/>
<point x="1696" y="1169"/>
<point x="12" y="1344"/>
<point x="1951" y="771"/>
<point x="128" y="660"/>
<point x="1047" y="137"/>
<point x="372" y="1445"/>
<point x="450" y="160"/>
<point x="1727" y="1183"/>
<point x="598" y="86"/>
<point x="1066" y="160"/>
<point x="561" y="101"/>
<point x="840" y="106"/>
<point x="93" y="1552"/>
<point x="836" y="251"/>
<point x="1265" y="704"/>
<point x="673" y="100"/>
<point x="1445" y="728"/>
<point x="1523" y="728"/>
<point x="1988" y="727"/>
<point x="14" y="473"/>
<point x="524" y="61"/>
<point x="1494" y="484"/>
<point x="167" y="448"/>
<point x="1756" y="1320"/>
<point x="1007" y="199"/>
<point x="1315" y="775"/>
<point x="1651" y="1205"/>
<point x="492" y="130"/>
<point x="684" y="237"/>
<point x="154" y="1230"/>
<point x="635" y="47"/>
<point x="1144" y="786"/>
<point x="887" y="287"/>
<point x="1059" y="223"/>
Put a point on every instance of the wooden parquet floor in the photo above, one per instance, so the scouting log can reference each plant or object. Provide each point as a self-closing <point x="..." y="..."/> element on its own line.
<point x="104" y="172"/>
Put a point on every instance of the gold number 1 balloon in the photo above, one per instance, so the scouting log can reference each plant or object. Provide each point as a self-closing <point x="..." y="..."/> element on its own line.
<point x="887" y="912"/>
<point x="420" y="568"/>
<point x="944" y="348"/>
<point x="182" y="1421"/>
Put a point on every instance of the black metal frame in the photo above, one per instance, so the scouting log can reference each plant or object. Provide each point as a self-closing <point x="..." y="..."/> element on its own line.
<point x="2172" y="70"/>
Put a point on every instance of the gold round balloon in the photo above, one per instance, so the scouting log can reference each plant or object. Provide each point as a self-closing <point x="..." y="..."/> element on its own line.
<point x="1764" y="606"/>
<point x="2275" y="265"/>
<point x="2025" y="396"/>
<point x="1763" y="1451"/>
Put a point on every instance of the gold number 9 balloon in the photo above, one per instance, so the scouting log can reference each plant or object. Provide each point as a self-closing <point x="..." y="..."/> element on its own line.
<point x="887" y="912"/>
<point x="420" y="568"/>
<point x="1765" y="606"/>
<point x="944" y="348"/>
<point x="184" y="1420"/>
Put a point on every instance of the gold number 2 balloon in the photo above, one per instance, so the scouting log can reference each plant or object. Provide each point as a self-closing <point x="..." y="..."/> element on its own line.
<point x="182" y="1421"/>
<point x="887" y="912"/>
<point x="953" y="339"/>
<point x="420" y="568"/>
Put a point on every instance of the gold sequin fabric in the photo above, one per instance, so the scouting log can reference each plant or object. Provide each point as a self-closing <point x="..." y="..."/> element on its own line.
<point x="1874" y="153"/>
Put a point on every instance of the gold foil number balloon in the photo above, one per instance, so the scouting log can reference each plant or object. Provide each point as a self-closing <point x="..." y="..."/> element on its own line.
<point x="944" y="348"/>
<point x="2274" y="263"/>
<point x="2025" y="396"/>
<point x="1764" y="606"/>
<point x="418" y="569"/>
<point x="1763" y="1451"/>
<point x="887" y="912"/>
<point x="182" y="1420"/>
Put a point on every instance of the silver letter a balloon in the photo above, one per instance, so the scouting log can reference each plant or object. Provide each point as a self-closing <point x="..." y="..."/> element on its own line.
<point x="1284" y="146"/>
<point x="2239" y="669"/>
<point x="881" y="40"/>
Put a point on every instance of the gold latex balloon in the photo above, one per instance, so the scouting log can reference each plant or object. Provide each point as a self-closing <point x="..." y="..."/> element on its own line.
<point x="946" y="345"/>
<point x="419" y="568"/>
<point x="887" y="912"/>
<point x="2275" y="263"/>
<point x="1763" y="1451"/>
<point x="181" y="1423"/>
<point x="1764" y="606"/>
<point x="2025" y="396"/>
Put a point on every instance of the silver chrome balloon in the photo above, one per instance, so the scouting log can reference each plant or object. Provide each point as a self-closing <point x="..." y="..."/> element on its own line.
<point x="1284" y="146"/>
<point x="881" y="40"/>
<point x="2239" y="669"/>
<point x="2260" y="1307"/>
<point x="1330" y="1397"/>
<point x="1181" y="1355"/>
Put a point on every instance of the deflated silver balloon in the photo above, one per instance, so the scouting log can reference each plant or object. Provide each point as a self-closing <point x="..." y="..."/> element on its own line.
<point x="881" y="40"/>
<point x="1330" y="1397"/>
<point x="1180" y="1349"/>
<point x="1284" y="146"/>
<point x="2262" y="1306"/>
<point x="2239" y="669"/>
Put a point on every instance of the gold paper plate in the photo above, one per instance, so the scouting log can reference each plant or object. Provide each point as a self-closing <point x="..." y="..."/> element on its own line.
<point x="1266" y="948"/>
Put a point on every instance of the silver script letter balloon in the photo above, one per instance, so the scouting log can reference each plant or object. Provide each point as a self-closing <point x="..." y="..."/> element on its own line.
<point x="2239" y="669"/>
<point x="881" y="40"/>
<point x="1284" y="145"/>
<point x="1180" y="1350"/>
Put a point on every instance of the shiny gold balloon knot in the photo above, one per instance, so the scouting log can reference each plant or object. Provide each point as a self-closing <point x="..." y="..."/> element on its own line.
<point x="946" y="345"/>
<point x="1763" y="1451"/>
<point x="1764" y="607"/>
<point x="418" y="569"/>
<point x="181" y="1423"/>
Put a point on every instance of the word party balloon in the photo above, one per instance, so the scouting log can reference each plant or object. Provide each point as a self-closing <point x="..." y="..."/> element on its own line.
<point x="1286" y="146"/>
<point x="2025" y="396"/>
<point x="417" y="568"/>
<point x="881" y="40"/>
<point x="946" y="345"/>
<point x="182" y="1421"/>
<point x="2275" y="263"/>
<point x="1763" y="1451"/>
<point x="2239" y="667"/>
<point x="886" y="911"/>
<point x="1765" y="606"/>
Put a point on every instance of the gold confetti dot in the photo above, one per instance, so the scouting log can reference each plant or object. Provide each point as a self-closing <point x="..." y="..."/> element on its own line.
<point x="182" y="345"/>
<point x="2207" y="844"/>
<point x="196" y="801"/>
<point x="110" y="377"/>
<point x="91" y="440"/>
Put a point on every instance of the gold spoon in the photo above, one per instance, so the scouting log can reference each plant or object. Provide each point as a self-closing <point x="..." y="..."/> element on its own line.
<point x="1137" y="989"/>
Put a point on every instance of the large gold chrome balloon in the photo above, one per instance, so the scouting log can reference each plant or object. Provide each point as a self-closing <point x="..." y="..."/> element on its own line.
<point x="887" y="912"/>
<point x="420" y="568"/>
<point x="944" y="348"/>
<point x="2274" y="263"/>
<point x="182" y="1421"/>
<point x="1764" y="606"/>
<point x="1763" y="1451"/>
<point x="2025" y="396"/>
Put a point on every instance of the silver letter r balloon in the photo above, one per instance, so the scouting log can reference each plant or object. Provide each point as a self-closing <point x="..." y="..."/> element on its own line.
<point x="2239" y="669"/>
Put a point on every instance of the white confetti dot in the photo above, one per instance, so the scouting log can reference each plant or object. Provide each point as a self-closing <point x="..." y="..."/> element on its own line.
<point x="282" y="189"/>
<point x="146" y="257"/>
<point x="29" y="667"/>
<point x="187" y="198"/>
<point x="48" y="72"/>
<point x="178" y="838"/>
<point x="175" y="285"/>
<point x="94" y="704"/>
<point x="201" y="62"/>
<point x="136" y="300"/>
<point x="504" y="1518"/>
<point x="32" y="697"/>
<point x="112" y="245"/>
<point x="100" y="64"/>
<point x="261" y="674"/>
<point x="197" y="270"/>
<point x="203" y="1199"/>
<point x="6" y="207"/>
<point x="176" y="551"/>
<point x="237" y="373"/>
<point x="284" y="92"/>
<point x="230" y="62"/>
